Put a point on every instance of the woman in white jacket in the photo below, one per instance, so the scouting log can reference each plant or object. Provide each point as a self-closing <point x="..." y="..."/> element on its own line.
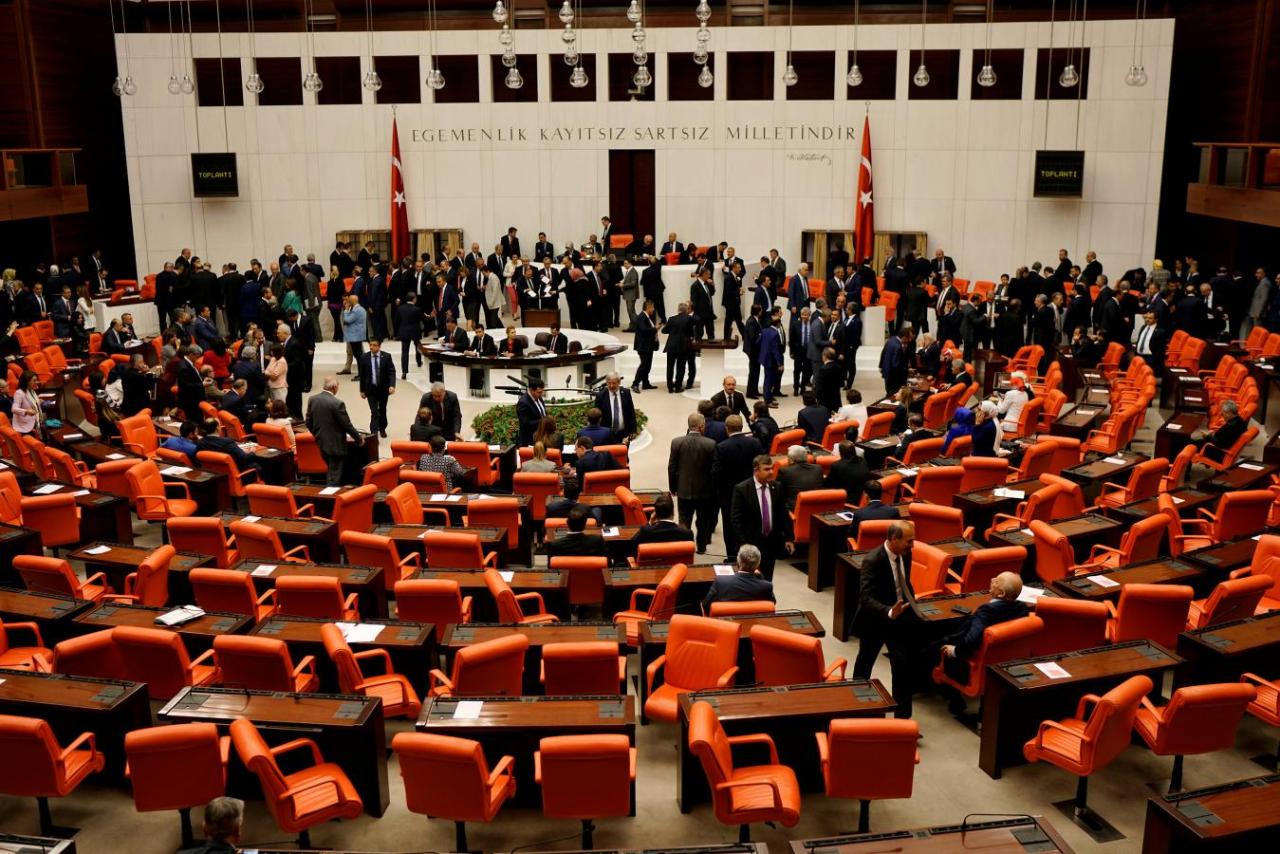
<point x="1009" y="407"/>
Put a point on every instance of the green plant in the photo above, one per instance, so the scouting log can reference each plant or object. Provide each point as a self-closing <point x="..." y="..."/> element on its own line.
<point x="498" y="425"/>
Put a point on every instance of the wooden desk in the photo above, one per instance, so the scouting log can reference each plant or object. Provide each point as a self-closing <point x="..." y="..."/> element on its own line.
<point x="619" y="582"/>
<point x="1186" y="498"/>
<point x="411" y="646"/>
<point x="1019" y="696"/>
<point x="551" y="584"/>
<point x="790" y="714"/>
<point x="513" y="726"/>
<point x="16" y="540"/>
<point x="367" y="581"/>
<point x="109" y="708"/>
<point x="1097" y="395"/>
<point x="1161" y="570"/>
<point x="619" y="546"/>
<point x="456" y="637"/>
<point x="1175" y="433"/>
<point x="848" y="569"/>
<point x="320" y="538"/>
<point x="348" y="729"/>
<point x="53" y="613"/>
<point x="1005" y="836"/>
<point x="275" y="465"/>
<point x="1221" y="653"/>
<point x="318" y="495"/>
<point x="828" y="537"/>
<point x="409" y="538"/>
<point x="1239" y="816"/>
<point x="981" y="505"/>
<point x="1102" y="468"/>
<point x="1245" y="474"/>
<point x="1076" y="421"/>
<point x="196" y="635"/>
<point x="103" y="515"/>
<point x="1221" y="558"/>
<point x="210" y="490"/>
<point x="876" y="451"/>
<point x="12" y="844"/>
<point x="123" y="559"/>
<point x="1082" y="532"/>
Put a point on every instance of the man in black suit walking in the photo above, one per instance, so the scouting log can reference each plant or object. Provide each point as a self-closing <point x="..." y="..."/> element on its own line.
<point x="646" y="344"/>
<point x="745" y="585"/>
<point x="377" y="383"/>
<point x="530" y="410"/>
<point x="884" y="616"/>
<point x="619" y="411"/>
<point x="328" y="422"/>
<point x="760" y="516"/>
<point x="730" y="465"/>
<point x="680" y="331"/>
<point x="689" y="479"/>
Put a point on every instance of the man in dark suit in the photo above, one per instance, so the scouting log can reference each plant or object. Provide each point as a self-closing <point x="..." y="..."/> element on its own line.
<point x="893" y="362"/>
<point x="799" y="475"/>
<point x="191" y="388"/>
<point x="543" y="248"/>
<point x="1233" y="427"/>
<point x="847" y="339"/>
<point x="576" y="541"/>
<point x="884" y="615"/>
<point x="689" y="479"/>
<point x="798" y="296"/>
<point x="530" y="410"/>
<point x="746" y="584"/>
<point x="700" y="298"/>
<point x="617" y="408"/>
<point x="760" y="516"/>
<point x="238" y="402"/>
<point x="827" y="382"/>
<point x="211" y="439"/>
<point x="663" y="528"/>
<point x="731" y="465"/>
<point x="771" y="358"/>
<point x="729" y="396"/>
<point x="295" y="357"/>
<point x="510" y="244"/>
<point x="672" y="245"/>
<point x="645" y="343"/>
<point x="482" y="343"/>
<point x="942" y="263"/>
<point x="652" y="287"/>
<point x="1092" y="268"/>
<point x="408" y="323"/>
<point x="30" y="305"/>
<point x="873" y="509"/>
<point x="850" y="473"/>
<point x="328" y="421"/>
<point x="959" y="646"/>
<point x="751" y="346"/>
<point x="446" y="413"/>
<point x="813" y="418"/>
<point x="139" y="387"/>
<point x="801" y="367"/>
<point x="680" y="331"/>
<point x="731" y="298"/>
<point x="1153" y="343"/>
<point x="377" y="383"/>
<point x="61" y="310"/>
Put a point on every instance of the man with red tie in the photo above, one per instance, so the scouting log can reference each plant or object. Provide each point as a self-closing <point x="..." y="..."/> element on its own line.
<point x="759" y="515"/>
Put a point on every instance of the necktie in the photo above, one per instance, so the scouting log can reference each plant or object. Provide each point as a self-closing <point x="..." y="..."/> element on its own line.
<point x="766" y="517"/>
<point x="617" y="414"/>
<point x="373" y="369"/>
<point x="899" y="582"/>
<point x="542" y="409"/>
<point x="804" y="336"/>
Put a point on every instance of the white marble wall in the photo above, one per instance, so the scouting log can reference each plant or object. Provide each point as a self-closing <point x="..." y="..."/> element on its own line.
<point x="959" y="170"/>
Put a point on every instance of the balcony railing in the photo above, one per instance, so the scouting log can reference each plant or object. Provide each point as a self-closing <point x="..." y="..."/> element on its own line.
<point x="40" y="182"/>
<point x="1238" y="181"/>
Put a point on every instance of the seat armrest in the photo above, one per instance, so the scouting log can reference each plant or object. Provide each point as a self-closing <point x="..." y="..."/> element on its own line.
<point x="757" y="738"/>
<point x="531" y="597"/>
<point x="201" y="658"/>
<point x="637" y="593"/>
<point x="297" y="744"/>
<point x="1045" y="726"/>
<point x="504" y="768"/>
<point x="98" y="577"/>
<point x="34" y="628"/>
<point x="351" y="602"/>
<point x="307" y="510"/>
<point x="375" y="653"/>
<point x="437" y="678"/>
<point x="303" y="550"/>
<point x="83" y="738"/>
<point x="837" y="666"/>
<point x="414" y="558"/>
<point x="466" y="609"/>
<point x="180" y="486"/>
<point x="1086" y="703"/>
<point x="726" y="678"/>
<point x="270" y="593"/>
<point x="491" y="559"/>
<point x="651" y="672"/>
<point x="307" y="664"/>
<point x="443" y="514"/>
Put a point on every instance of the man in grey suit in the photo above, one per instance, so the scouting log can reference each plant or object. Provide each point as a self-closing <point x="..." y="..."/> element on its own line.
<point x="798" y="475"/>
<point x="689" y="479"/>
<point x="328" y="421"/>
<point x="630" y="292"/>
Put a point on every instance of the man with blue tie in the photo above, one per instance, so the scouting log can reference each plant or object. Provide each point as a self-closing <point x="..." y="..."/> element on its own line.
<point x="798" y="290"/>
<point x="770" y="356"/>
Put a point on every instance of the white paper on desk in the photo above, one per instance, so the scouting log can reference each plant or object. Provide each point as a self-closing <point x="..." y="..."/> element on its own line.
<point x="175" y="470"/>
<point x="438" y="496"/>
<point x="846" y="515"/>
<point x="495" y="448"/>
<point x="81" y="492"/>
<point x="115" y="456"/>
<point x="481" y="497"/>
<point x="69" y="436"/>
<point x="453" y="498"/>
<point x="908" y="471"/>
<point x="569" y="449"/>
<point x="47" y="488"/>
<point x="1177" y="500"/>
<point x="360" y="632"/>
<point x="610" y="532"/>
<point x="1053" y="670"/>
<point x="468" y="710"/>
<point x="1030" y="594"/>
<point x="98" y="550"/>
<point x="507" y="574"/>
<point x="1173" y="426"/>
<point x="1257" y="537"/>
<point x="264" y="570"/>
<point x="251" y="519"/>
<point x="724" y="569"/>
<point x="1119" y="461"/>
<point x="1250" y="467"/>
<point x="1002" y="492"/>
<point x="330" y="490"/>
<point x="1103" y="581"/>
<point x="1028" y="532"/>
<point x="1086" y="412"/>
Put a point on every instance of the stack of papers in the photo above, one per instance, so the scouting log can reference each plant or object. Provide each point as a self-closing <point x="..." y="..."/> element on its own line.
<point x="175" y="470"/>
<point x="908" y="471"/>
<point x="178" y="616"/>
<point x="1053" y="670"/>
<point x="115" y="456"/>
<point x="47" y="488"/>
<point x="1002" y="492"/>
<point x="80" y="492"/>
<point x="330" y="490"/>
<point x="360" y="632"/>
<point x="1251" y="467"/>
<point x="610" y="532"/>
<point x="1103" y="581"/>
<point x="98" y="550"/>
<point x="264" y="570"/>
<point x="1118" y="461"/>
<point x="724" y="569"/>
<point x="251" y="519"/>
<point x="468" y="710"/>
<point x="1030" y="594"/>
<point x="438" y="496"/>
<point x="507" y="574"/>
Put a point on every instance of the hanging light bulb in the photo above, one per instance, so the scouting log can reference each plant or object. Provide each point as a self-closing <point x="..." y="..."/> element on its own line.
<point x="509" y="59"/>
<point x="569" y="36"/>
<point x="578" y="79"/>
<point x="638" y="34"/>
<point x="633" y="12"/>
<point x="130" y="88"/>
<point x="372" y="81"/>
<point x="703" y="12"/>
<point x="571" y="56"/>
<point x="513" y="79"/>
<point x="640" y="56"/>
<point x="789" y="77"/>
<point x="188" y="85"/>
<point x="700" y="55"/>
<point x="253" y="83"/>
<point x="705" y="79"/>
<point x="1137" y="76"/>
<point x="703" y="35"/>
<point x="117" y="87"/>
<point x="642" y="77"/>
<point x="435" y="79"/>
<point x="921" y="77"/>
<point x="505" y="37"/>
<point x="312" y="82"/>
<point x="499" y="13"/>
<point x="174" y="86"/>
<point x="854" y="77"/>
<point x="1068" y="77"/>
<point x="987" y="76"/>
<point x="566" y="12"/>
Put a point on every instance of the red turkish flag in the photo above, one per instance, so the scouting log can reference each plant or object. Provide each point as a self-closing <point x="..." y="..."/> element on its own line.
<point x="864" y="227"/>
<point x="399" y="206"/>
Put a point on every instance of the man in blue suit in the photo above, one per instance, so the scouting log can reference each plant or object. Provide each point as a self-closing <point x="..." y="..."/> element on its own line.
<point x="961" y="644"/>
<point x="770" y="356"/>
<point x="745" y="585"/>
<point x="798" y="291"/>
<point x="874" y="508"/>
<point x="893" y="361"/>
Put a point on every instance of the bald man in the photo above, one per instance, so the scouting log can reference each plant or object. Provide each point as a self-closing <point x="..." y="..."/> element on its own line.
<point x="961" y="644"/>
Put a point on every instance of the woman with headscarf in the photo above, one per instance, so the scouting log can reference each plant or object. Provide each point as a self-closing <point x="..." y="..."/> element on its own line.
<point x="985" y="433"/>
<point x="961" y="425"/>
<point x="1010" y="406"/>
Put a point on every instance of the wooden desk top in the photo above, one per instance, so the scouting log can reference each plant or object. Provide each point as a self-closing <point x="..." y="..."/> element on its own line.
<point x="624" y="532"/>
<point x="816" y="698"/>
<point x="1007" y="836"/>
<point x="1072" y="526"/>
<point x="526" y="578"/>
<point x="1080" y="416"/>
<point x="577" y="712"/>
<point x="60" y="689"/>
<point x="646" y="496"/>
<point x="84" y="497"/>
<point x="488" y="536"/>
<point x="229" y="704"/>
<point x="459" y="636"/>
<point x="111" y="614"/>
<point x="454" y="499"/>
<point x="12" y="532"/>
<point x="304" y="527"/>
<point x="1186" y="498"/>
<point x="1100" y="467"/>
<point x="1228" y="809"/>
<point x="952" y="546"/>
<point x="39" y="606"/>
<point x="1119" y="660"/>
<point x="14" y="844"/>
<point x="1161" y="570"/>
<point x="121" y="554"/>
<point x="987" y="495"/>
<point x="650" y="576"/>
<point x="1243" y="475"/>
<point x="1223" y="557"/>
<point x="935" y="609"/>
<point x="397" y="633"/>
<point x="343" y="572"/>
<point x="879" y="444"/>
<point x="799" y="622"/>
<point x="1257" y="632"/>
<point x="1183" y="423"/>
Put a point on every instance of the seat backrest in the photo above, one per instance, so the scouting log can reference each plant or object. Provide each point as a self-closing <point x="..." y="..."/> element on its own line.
<point x="1242" y="513"/>
<point x="872" y="533"/>
<point x="982" y="565"/>
<point x="202" y="535"/>
<point x="812" y="502"/>
<point x="42" y="574"/>
<point x="29" y="744"/>
<point x="621" y="454"/>
<point x="785" y="658"/>
<point x="709" y="742"/>
<point x="585" y="775"/>
<point x="1203" y="718"/>
<point x="745" y="606"/>
<point x="877" y="426"/>
<point x="308" y="454"/>
<point x="1054" y="557"/>
<point x="870" y="759"/>
<point x="1156" y="612"/>
<point x="1110" y="726"/>
<point x="39" y="456"/>
<point x="473" y="455"/>
<point x="589" y="667"/>
<point x="1143" y="540"/>
<point x="539" y="486"/>
<point x="1069" y="624"/>
<point x="491" y="667"/>
<point x="667" y="592"/>
<point x="497" y="513"/>
<point x="344" y="660"/>
<point x="383" y="474"/>
<point x="257" y="541"/>
<point x="586" y="577"/>
<point x="1038" y="459"/>
<point x="1070" y="498"/>
<point x="785" y="440"/>
<point x="445" y="777"/>
<point x="258" y="758"/>
<point x="429" y="601"/>
<point x="371" y="550"/>
<point x="935" y="522"/>
<point x="923" y="451"/>
<point x="632" y="508"/>
<point x="154" y="656"/>
<point x="152" y="583"/>
<point x="138" y="432"/>
<point x="928" y="568"/>
<point x="1234" y="599"/>
<point x="659" y="554"/>
<point x="144" y="479"/>
<point x="224" y="590"/>
<point x="175" y="767"/>
<point x="1268" y="547"/>
<point x="699" y="650"/>
<point x="255" y="663"/>
<point x="272" y="436"/>
<point x="835" y="432"/>
<point x="937" y="484"/>
<point x="10" y="498"/>
<point x="270" y="500"/>
<point x="604" y="482"/>
<point x="1004" y="642"/>
<point x="94" y="654"/>
<point x="1145" y="479"/>
<point x="353" y="509"/>
<point x="404" y="504"/>
<point x="310" y="596"/>
<point x="454" y="550"/>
